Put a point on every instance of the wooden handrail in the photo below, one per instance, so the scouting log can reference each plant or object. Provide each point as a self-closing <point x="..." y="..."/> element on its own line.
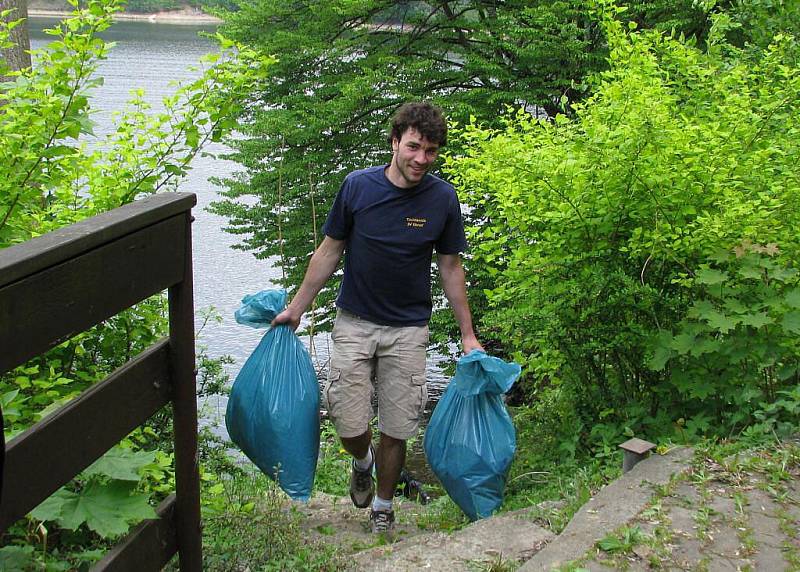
<point x="65" y="282"/>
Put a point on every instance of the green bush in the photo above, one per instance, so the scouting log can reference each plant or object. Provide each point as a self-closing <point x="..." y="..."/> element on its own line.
<point x="592" y="235"/>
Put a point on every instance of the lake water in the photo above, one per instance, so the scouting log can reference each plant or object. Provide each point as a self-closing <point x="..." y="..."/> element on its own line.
<point x="152" y="57"/>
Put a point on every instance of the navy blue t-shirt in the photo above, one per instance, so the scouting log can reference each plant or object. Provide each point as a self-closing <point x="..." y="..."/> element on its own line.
<point x="390" y="234"/>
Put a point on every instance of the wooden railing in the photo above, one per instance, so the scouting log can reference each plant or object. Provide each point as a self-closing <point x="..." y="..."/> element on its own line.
<point x="62" y="283"/>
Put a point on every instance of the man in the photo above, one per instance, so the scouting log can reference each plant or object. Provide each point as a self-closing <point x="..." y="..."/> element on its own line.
<point x="387" y="220"/>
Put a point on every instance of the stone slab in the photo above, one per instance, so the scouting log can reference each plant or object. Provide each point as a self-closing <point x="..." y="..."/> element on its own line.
<point x="615" y="505"/>
<point x="500" y="539"/>
<point x="762" y="519"/>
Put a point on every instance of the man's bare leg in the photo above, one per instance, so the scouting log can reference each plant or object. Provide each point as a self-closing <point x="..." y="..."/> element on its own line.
<point x="362" y="484"/>
<point x="358" y="446"/>
<point x="391" y="455"/>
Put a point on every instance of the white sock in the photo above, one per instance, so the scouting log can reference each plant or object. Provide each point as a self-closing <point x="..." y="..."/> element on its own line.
<point x="379" y="504"/>
<point x="366" y="462"/>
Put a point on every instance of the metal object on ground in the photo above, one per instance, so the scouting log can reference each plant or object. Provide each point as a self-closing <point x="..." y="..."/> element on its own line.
<point x="411" y="488"/>
<point x="634" y="450"/>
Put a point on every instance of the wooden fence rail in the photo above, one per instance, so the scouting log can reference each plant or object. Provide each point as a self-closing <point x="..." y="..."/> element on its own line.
<point x="62" y="283"/>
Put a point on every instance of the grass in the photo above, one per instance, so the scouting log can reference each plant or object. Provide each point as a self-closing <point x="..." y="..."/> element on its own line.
<point x="498" y="564"/>
<point x="333" y="467"/>
<point x="441" y="514"/>
<point x="566" y="491"/>
<point x="253" y="529"/>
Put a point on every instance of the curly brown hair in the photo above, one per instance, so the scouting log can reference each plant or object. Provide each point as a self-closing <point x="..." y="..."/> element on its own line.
<point x="422" y="116"/>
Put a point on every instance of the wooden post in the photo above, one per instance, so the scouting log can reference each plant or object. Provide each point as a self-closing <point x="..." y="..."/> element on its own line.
<point x="187" y="474"/>
<point x="2" y="453"/>
<point x="634" y="450"/>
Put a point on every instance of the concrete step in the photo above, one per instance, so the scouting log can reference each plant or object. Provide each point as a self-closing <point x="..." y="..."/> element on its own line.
<point x="614" y="506"/>
<point x="499" y="539"/>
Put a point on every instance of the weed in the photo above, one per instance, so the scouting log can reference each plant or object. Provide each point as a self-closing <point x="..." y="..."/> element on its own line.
<point x="702" y="518"/>
<point x="654" y="512"/>
<point x="326" y="529"/>
<point x="621" y="541"/>
<point x="791" y="552"/>
<point x="747" y="540"/>
<point x="442" y="514"/>
<point x="576" y="566"/>
<point x="740" y="501"/>
<point x="498" y="564"/>
<point x="333" y="467"/>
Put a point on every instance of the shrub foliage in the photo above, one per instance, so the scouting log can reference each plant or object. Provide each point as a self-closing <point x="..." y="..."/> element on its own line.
<point x="639" y="257"/>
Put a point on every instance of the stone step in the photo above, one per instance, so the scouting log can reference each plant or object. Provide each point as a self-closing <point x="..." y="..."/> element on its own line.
<point x="614" y="506"/>
<point x="334" y="520"/>
<point x="500" y="539"/>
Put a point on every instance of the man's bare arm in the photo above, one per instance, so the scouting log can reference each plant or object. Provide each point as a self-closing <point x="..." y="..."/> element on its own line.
<point x="455" y="288"/>
<point x="323" y="264"/>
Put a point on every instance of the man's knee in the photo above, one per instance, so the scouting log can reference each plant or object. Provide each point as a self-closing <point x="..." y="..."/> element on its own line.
<point x="392" y="442"/>
<point x="357" y="446"/>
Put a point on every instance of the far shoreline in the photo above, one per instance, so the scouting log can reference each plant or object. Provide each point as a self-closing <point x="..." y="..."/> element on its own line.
<point x="184" y="16"/>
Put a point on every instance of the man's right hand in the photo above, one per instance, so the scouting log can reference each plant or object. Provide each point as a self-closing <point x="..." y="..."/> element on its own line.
<point x="322" y="265"/>
<point x="287" y="317"/>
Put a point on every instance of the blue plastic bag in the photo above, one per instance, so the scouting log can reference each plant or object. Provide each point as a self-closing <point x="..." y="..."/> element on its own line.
<point x="470" y="440"/>
<point x="273" y="407"/>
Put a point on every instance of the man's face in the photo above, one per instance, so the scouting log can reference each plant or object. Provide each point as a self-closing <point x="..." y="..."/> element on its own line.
<point x="413" y="156"/>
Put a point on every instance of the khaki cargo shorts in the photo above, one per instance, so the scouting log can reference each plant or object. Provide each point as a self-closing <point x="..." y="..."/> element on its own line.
<point x="395" y="356"/>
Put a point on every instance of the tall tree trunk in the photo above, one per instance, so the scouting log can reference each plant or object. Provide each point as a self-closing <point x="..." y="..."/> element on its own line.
<point x="17" y="57"/>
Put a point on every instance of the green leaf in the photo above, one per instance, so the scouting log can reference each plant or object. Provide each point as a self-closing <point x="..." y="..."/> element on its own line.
<point x="50" y="509"/>
<point x="54" y="406"/>
<point x="8" y="397"/>
<point x="701" y="388"/>
<point x="721" y="322"/>
<point x="791" y="322"/>
<point x="173" y="169"/>
<point x="710" y="276"/>
<point x="58" y="151"/>
<point x="700" y="309"/>
<point x="698" y="424"/>
<point x="661" y="356"/>
<point x="683" y="343"/>
<point x="734" y="305"/>
<point x="17" y="558"/>
<point x="662" y="351"/>
<point x="787" y="371"/>
<point x="705" y="346"/>
<point x="793" y="298"/>
<point x="757" y="320"/>
<point x="783" y="274"/>
<point x="610" y="544"/>
<point x="751" y="272"/>
<point x="105" y="508"/>
<point x="120" y="463"/>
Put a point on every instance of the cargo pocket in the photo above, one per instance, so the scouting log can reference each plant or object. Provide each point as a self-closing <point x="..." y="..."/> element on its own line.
<point x="419" y="381"/>
<point x="330" y="397"/>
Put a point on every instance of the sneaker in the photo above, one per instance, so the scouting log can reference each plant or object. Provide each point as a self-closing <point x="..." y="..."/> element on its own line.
<point x="362" y="485"/>
<point x="382" y="522"/>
